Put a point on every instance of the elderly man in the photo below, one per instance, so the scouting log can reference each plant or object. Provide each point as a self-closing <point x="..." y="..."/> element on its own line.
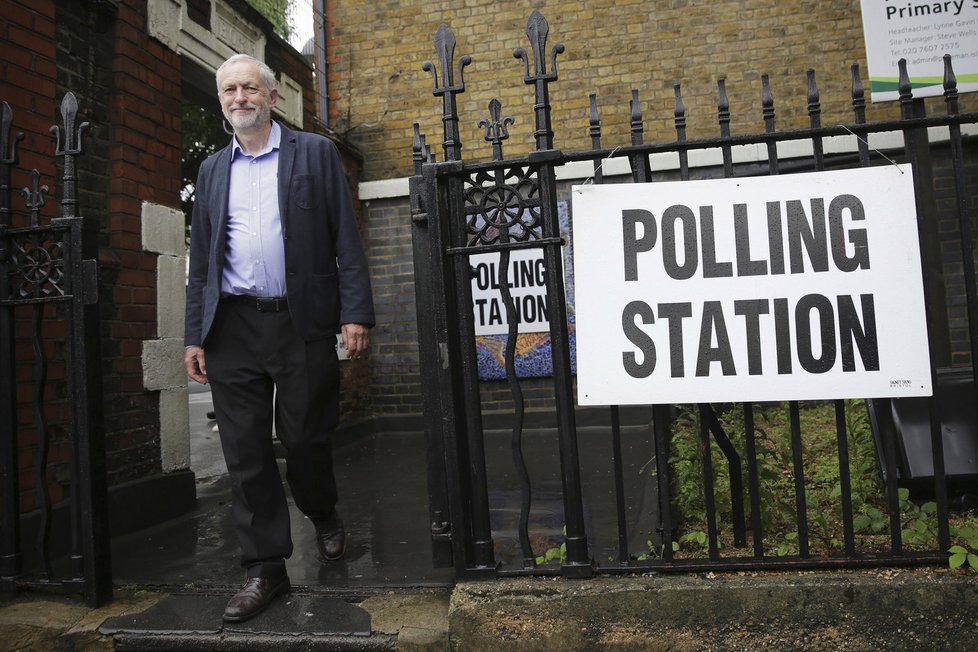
<point x="276" y="270"/>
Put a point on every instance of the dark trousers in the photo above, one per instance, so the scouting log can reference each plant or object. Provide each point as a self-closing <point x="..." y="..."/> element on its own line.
<point x="259" y="369"/>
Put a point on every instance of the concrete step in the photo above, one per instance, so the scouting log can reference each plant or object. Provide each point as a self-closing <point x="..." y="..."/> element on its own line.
<point x="867" y="610"/>
<point x="308" y="621"/>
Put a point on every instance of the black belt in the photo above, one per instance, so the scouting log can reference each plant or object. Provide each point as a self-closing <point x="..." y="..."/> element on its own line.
<point x="262" y="304"/>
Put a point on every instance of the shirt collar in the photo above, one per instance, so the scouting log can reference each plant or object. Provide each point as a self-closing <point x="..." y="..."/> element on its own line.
<point x="274" y="140"/>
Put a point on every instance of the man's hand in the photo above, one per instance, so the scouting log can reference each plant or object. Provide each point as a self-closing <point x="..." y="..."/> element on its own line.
<point x="193" y="360"/>
<point x="356" y="339"/>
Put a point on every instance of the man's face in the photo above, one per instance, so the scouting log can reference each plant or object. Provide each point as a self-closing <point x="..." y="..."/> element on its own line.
<point x="245" y="101"/>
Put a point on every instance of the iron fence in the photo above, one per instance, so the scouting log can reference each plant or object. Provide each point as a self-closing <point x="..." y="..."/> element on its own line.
<point x="48" y="305"/>
<point x="461" y="209"/>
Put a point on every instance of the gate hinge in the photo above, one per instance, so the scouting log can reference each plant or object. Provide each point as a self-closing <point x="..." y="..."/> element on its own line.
<point x="440" y="528"/>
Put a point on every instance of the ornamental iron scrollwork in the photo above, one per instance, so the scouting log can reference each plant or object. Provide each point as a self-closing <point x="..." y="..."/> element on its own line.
<point x="501" y="205"/>
<point x="502" y="201"/>
<point x="38" y="266"/>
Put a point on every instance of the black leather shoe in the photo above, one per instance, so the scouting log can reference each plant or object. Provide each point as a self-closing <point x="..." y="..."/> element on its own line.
<point x="256" y="594"/>
<point x="331" y="539"/>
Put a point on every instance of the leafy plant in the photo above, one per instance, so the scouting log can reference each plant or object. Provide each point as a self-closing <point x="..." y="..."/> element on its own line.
<point x="872" y="520"/>
<point x="919" y="521"/>
<point x="554" y="553"/>
<point x="656" y="552"/>
<point x="959" y="554"/>
<point x="823" y="486"/>
<point x="789" y="545"/>
<point x="697" y="537"/>
<point x="962" y="554"/>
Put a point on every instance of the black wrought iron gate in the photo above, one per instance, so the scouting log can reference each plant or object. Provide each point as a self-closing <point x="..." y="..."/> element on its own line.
<point x="49" y="288"/>
<point x="460" y="209"/>
<point x="494" y="208"/>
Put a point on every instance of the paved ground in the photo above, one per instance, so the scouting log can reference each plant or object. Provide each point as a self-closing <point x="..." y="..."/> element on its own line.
<point x="173" y="580"/>
<point x="382" y="480"/>
<point x="383" y="501"/>
<point x="879" y="610"/>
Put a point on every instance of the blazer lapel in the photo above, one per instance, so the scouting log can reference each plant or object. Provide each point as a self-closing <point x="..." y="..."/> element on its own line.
<point x="219" y="210"/>
<point x="286" y="160"/>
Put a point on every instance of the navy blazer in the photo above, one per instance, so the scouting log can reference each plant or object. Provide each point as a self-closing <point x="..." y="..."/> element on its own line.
<point x="326" y="275"/>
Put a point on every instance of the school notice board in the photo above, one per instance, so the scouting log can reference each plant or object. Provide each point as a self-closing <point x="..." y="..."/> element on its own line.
<point x="922" y="33"/>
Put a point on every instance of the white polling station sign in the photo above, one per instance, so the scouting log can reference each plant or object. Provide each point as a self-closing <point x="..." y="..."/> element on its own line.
<point x="790" y="287"/>
<point x="525" y="276"/>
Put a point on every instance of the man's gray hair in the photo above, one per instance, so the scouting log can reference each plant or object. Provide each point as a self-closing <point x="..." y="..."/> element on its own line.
<point x="266" y="73"/>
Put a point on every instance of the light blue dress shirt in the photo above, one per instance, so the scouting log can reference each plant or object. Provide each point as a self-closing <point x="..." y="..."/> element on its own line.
<point x="255" y="256"/>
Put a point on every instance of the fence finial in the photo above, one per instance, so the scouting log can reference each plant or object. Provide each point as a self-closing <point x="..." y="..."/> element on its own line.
<point x="445" y="47"/>
<point x="679" y="113"/>
<point x="814" y="100"/>
<point x="34" y="196"/>
<point x="69" y="148"/>
<point x="950" y="87"/>
<point x="497" y="128"/>
<point x="6" y="160"/>
<point x="636" y="123"/>
<point x="723" y="107"/>
<point x="417" y="148"/>
<point x="537" y="30"/>
<point x="904" y="85"/>
<point x="767" y="104"/>
<point x="858" y="95"/>
<point x="5" y="123"/>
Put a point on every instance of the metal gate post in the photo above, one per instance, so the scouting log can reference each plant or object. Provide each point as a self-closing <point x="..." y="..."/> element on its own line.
<point x="460" y="283"/>
<point x="90" y="506"/>
<point x="918" y="153"/>
<point x="442" y="403"/>
<point x="91" y="558"/>
<point x="439" y="503"/>
<point x="578" y="563"/>
<point x="10" y="560"/>
<point x="10" y="519"/>
<point x="459" y="387"/>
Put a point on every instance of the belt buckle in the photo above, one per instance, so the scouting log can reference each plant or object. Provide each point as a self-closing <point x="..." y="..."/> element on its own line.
<point x="266" y="304"/>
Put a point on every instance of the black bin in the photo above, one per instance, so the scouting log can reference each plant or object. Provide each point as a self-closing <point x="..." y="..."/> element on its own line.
<point x="908" y="421"/>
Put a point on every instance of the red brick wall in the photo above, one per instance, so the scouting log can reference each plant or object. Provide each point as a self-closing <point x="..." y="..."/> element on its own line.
<point x="128" y="89"/>
<point x="27" y="83"/>
<point x="144" y="159"/>
<point x="28" y="75"/>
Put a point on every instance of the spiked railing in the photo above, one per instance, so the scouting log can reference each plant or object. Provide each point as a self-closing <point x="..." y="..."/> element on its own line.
<point x="41" y="264"/>
<point x="460" y="209"/>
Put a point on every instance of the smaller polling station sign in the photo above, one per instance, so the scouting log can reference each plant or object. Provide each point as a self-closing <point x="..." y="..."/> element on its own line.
<point x="922" y="33"/>
<point x="790" y="287"/>
<point x="525" y="277"/>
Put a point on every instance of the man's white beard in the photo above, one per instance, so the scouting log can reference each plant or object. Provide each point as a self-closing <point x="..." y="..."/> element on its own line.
<point x="247" y="121"/>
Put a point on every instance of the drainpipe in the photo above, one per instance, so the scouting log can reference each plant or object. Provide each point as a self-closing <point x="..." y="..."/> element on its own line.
<point x="319" y="18"/>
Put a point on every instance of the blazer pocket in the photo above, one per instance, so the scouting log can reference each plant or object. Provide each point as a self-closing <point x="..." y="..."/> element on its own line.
<point x="303" y="191"/>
